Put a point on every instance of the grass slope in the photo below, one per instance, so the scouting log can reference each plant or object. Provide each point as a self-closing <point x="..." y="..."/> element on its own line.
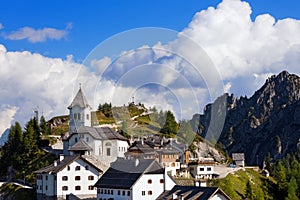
<point x="235" y="185"/>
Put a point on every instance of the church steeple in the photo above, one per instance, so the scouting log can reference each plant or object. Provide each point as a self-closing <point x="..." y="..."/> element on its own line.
<point x="80" y="112"/>
<point x="79" y="100"/>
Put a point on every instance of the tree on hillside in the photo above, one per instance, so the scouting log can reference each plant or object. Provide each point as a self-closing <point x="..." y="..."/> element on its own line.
<point x="292" y="190"/>
<point x="170" y="126"/>
<point x="249" y="192"/>
<point x="106" y="109"/>
<point x="43" y="126"/>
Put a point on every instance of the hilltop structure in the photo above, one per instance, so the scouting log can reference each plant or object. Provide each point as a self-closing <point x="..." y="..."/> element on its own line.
<point x="84" y="139"/>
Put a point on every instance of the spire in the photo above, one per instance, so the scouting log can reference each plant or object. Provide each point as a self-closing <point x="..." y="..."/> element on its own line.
<point x="79" y="100"/>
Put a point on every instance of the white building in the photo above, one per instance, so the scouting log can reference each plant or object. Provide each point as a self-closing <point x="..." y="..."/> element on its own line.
<point x="133" y="180"/>
<point x="202" y="169"/>
<point x="83" y="139"/>
<point x="239" y="159"/>
<point x="70" y="175"/>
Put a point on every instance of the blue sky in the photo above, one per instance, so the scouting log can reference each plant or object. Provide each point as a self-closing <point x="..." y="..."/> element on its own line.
<point x="95" y="21"/>
<point x="198" y="50"/>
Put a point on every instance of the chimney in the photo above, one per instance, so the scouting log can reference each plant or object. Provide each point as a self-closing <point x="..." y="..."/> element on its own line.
<point x="61" y="157"/>
<point x="187" y="156"/>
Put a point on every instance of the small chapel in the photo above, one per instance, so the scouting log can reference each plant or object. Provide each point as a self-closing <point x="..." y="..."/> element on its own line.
<point x="84" y="139"/>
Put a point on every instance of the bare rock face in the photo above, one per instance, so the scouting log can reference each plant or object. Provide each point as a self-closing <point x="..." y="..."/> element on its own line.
<point x="267" y="122"/>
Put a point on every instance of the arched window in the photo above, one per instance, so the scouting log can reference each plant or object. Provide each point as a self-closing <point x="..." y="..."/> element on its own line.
<point x="75" y="116"/>
<point x="78" y="115"/>
<point x="149" y="181"/>
<point x="77" y="168"/>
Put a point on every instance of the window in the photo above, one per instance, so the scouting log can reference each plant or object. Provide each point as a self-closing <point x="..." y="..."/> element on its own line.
<point x="77" y="178"/>
<point x="68" y="168"/>
<point x="46" y="178"/>
<point x="75" y="116"/>
<point x="76" y="139"/>
<point x="101" y="191"/>
<point x="123" y="192"/>
<point x="87" y="139"/>
<point x="41" y="187"/>
<point x="149" y="181"/>
<point x="77" y="168"/>
<point x="64" y="178"/>
<point x="78" y="115"/>
<point x="201" y="169"/>
<point x="91" y="187"/>
<point x="77" y="187"/>
<point x="149" y="192"/>
<point x="86" y="167"/>
<point x="161" y="180"/>
<point x="91" y="178"/>
<point x="128" y="193"/>
<point x="143" y="193"/>
<point x="119" y="192"/>
<point x="46" y="187"/>
<point x="209" y="169"/>
<point x="108" y="151"/>
<point x="64" y="188"/>
<point x="87" y="116"/>
<point x="112" y="192"/>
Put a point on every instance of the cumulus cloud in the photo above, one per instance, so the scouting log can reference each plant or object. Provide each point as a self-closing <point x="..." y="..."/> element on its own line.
<point x="219" y="44"/>
<point x="7" y="114"/>
<point x="38" y="35"/>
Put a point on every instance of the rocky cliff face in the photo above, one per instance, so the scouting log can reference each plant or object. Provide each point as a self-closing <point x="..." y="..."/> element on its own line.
<point x="267" y="122"/>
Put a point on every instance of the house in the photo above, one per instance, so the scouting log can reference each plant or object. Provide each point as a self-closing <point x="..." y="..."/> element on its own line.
<point x="70" y="175"/>
<point x="203" y="169"/>
<point x="195" y="193"/>
<point x="83" y="139"/>
<point x="139" y="149"/>
<point x="239" y="159"/>
<point x="134" y="180"/>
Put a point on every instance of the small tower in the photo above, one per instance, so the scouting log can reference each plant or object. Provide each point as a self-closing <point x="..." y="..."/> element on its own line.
<point x="80" y="112"/>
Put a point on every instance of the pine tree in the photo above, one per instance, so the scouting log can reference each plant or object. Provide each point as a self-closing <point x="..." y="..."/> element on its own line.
<point x="170" y="127"/>
<point x="249" y="191"/>
<point x="292" y="190"/>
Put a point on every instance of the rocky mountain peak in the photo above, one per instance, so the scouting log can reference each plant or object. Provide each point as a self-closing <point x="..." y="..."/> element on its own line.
<point x="267" y="122"/>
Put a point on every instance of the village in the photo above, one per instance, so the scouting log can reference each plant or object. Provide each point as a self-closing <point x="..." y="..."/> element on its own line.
<point x="99" y="163"/>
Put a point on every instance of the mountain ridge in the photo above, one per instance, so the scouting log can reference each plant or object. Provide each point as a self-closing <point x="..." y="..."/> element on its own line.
<point x="267" y="122"/>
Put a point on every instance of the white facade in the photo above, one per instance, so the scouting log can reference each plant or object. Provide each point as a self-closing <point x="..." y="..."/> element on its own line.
<point x="107" y="150"/>
<point x="77" y="179"/>
<point x="218" y="196"/>
<point x="79" y="117"/>
<point x="147" y="187"/>
<point x="201" y="170"/>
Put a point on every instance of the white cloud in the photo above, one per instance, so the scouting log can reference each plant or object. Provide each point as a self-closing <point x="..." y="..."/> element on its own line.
<point x="1" y="26"/>
<point x="38" y="35"/>
<point x="176" y="76"/>
<point x="7" y="114"/>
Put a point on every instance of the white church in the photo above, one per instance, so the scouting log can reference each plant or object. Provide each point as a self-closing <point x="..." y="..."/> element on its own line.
<point x="84" y="139"/>
<point x="88" y="152"/>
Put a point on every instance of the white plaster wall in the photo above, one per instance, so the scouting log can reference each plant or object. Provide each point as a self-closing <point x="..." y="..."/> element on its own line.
<point x="122" y="148"/>
<point x="218" y="197"/>
<point x="114" y="195"/>
<point x="71" y="182"/>
<point x="142" y="185"/>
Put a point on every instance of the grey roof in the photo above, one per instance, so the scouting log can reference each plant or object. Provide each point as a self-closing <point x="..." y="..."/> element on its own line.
<point x="141" y="147"/>
<point x="238" y="156"/>
<point x="79" y="100"/>
<point x="102" y="133"/>
<point x="191" y="193"/>
<point x="81" y="145"/>
<point x="123" y="174"/>
<point x="60" y="165"/>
